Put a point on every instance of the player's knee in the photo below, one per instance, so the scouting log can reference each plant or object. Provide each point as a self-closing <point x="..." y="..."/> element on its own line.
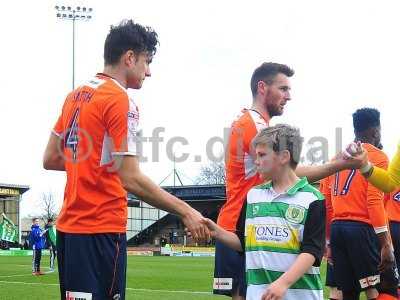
<point x="351" y="295"/>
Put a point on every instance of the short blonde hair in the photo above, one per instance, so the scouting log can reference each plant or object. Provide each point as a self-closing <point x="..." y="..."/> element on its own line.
<point x="279" y="138"/>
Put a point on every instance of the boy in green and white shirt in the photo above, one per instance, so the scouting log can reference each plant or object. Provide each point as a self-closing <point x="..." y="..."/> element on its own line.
<point x="282" y="227"/>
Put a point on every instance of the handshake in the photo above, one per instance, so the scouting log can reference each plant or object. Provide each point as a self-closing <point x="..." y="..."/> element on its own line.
<point x="354" y="156"/>
<point x="199" y="227"/>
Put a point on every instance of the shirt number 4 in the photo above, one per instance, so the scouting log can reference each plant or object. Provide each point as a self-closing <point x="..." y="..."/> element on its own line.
<point x="72" y="138"/>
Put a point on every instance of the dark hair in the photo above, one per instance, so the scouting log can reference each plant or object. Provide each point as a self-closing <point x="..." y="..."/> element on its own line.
<point x="129" y="35"/>
<point x="267" y="72"/>
<point x="365" y="118"/>
<point x="281" y="137"/>
<point x="34" y="219"/>
<point x="49" y="220"/>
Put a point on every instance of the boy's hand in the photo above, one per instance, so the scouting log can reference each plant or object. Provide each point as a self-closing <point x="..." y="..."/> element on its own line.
<point x="275" y="291"/>
<point x="193" y="222"/>
<point x="212" y="227"/>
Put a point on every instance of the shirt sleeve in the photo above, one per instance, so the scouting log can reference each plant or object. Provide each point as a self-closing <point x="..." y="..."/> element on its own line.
<point x="58" y="127"/>
<point x="388" y="180"/>
<point x="121" y="125"/>
<point x="375" y="197"/>
<point x="325" y="188"/>
<point x="240" y="226"/>
<point x="314" y="231"/>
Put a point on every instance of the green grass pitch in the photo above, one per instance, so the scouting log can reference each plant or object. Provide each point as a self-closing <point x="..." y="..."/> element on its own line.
<point x="167" y="278"/>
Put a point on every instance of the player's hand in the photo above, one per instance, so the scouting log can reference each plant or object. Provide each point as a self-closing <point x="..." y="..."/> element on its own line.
<point x="193" y="221"/>
<point x="212" y="227"/>
<point x="275" y="291"/>
<point x="355" y="155"/>
<point x="387" y="258"/>
<point x="351" y="159"/>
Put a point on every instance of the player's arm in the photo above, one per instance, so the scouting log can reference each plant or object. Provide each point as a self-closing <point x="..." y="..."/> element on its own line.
<point x="377" y="215"/>
<point x="385" y="180"/>
<point x="228" y="238"/>
<point x="53" y="158"/>
<point x="135" y="182"/>
<point x="315" y="173"/>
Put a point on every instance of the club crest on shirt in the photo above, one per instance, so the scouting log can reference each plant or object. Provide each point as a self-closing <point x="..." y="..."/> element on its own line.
<point x="396" y="196"/>
<point x="295" y="214"/>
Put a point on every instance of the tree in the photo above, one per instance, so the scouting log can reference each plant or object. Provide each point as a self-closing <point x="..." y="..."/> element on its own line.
<point x="213" y="173"/>
<point x="48" y="206"/>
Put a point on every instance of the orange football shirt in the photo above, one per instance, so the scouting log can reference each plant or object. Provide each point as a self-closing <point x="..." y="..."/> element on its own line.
<point x="349" y="196"/>
<point x="393" y="206"/>
<point x="98" y="121"/>
<point x="241" y="173"/>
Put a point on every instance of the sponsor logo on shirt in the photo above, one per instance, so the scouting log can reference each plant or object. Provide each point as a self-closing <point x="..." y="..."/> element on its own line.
<point x="272" y="233"/>
<point x="133" y="115"/>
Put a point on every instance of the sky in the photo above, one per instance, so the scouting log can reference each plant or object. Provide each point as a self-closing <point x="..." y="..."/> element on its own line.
<point x="344" y="53"/>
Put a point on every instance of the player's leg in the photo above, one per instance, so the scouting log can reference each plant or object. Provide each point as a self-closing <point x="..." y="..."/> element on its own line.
<point x="366" y="257"/>
<point x="371" y="294"/>
<point x="330" y="282"/>
<point x="61" y="262"/>
<point x="229" y="272"/>
<point x="343" y="270"/>
<point x="95" y="266"/>
<point x="395" y="234"/>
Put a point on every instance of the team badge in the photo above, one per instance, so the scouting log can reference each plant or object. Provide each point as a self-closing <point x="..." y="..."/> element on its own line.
<point x="295" y="214"/>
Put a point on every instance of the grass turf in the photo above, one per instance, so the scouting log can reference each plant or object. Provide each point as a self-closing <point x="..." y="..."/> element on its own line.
<point x="167" y="278"/>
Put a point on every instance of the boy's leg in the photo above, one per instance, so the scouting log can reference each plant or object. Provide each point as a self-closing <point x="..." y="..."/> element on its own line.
<point x="39" y="258"/>
<point x="33" y="262"/>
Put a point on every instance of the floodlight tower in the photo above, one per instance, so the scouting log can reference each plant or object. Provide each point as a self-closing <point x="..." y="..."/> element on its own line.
<point x="77" y="13"/>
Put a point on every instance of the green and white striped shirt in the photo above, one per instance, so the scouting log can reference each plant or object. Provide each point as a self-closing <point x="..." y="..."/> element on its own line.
<point x="278" y="227"/>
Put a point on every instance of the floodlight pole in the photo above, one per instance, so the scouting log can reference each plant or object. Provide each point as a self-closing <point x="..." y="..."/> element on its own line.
<point x="74" y="14"/>
<point x="73" y="52"/>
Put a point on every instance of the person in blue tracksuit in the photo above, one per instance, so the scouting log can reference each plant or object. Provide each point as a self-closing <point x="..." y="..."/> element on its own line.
<point x="38" y="243"/>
